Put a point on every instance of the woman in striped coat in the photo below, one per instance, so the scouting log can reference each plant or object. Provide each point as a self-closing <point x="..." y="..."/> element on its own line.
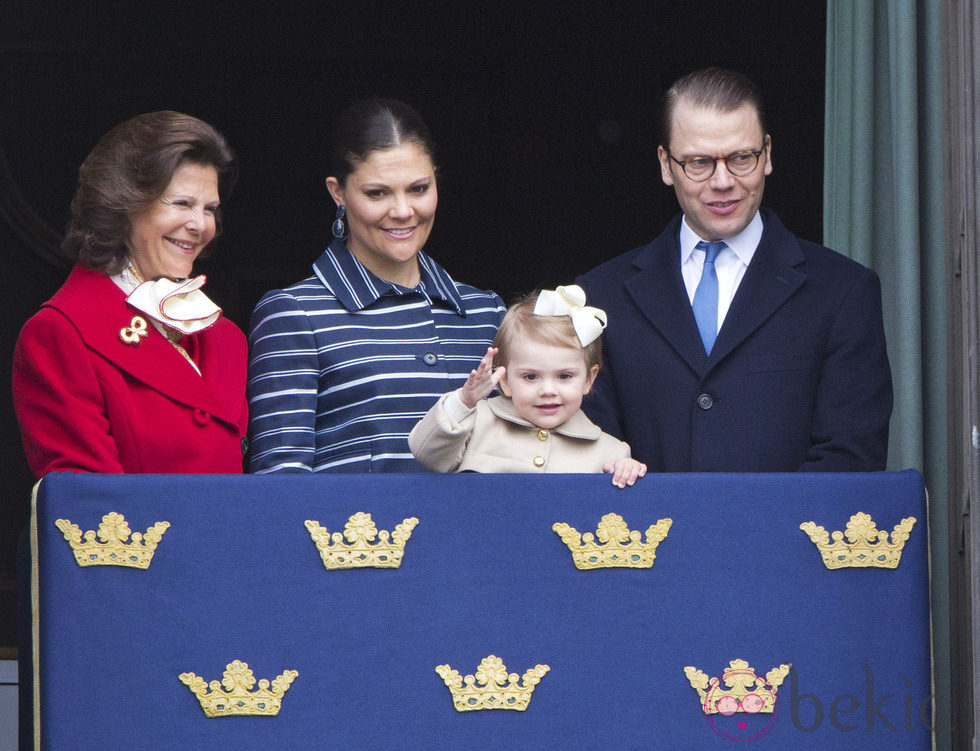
<point x="345" y="362"/>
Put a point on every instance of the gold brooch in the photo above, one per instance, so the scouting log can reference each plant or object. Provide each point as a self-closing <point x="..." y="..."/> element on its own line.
<point x="618" y="546"/>
<point x="491" y="687"/>
<point x="131" y="334"/>
<point x="114" y="550"/>
<point x="233" y="695"/>
<point x="866" y="546"/>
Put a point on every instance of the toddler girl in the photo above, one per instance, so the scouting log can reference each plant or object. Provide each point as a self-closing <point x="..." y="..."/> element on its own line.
<point x="548" y="353"/>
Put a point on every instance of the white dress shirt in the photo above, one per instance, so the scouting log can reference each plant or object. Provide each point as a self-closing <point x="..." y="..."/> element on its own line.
<point x="730" y="265"/>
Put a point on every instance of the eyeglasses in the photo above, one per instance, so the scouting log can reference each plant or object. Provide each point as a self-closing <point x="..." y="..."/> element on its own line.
<point x="701" y="168"/>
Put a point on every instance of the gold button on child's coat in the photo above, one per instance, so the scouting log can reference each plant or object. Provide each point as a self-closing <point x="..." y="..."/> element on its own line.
<point x="542" y="435"/>
<point x="539" y="461"/>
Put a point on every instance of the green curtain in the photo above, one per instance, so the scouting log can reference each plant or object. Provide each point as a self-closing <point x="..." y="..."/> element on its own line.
<point x="883" y="206"/>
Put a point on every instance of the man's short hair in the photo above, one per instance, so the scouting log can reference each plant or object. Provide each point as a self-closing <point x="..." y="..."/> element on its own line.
<point x="712" y="88"/>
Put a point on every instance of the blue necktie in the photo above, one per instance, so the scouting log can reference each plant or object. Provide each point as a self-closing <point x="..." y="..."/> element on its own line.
<point x="705" y="303"/>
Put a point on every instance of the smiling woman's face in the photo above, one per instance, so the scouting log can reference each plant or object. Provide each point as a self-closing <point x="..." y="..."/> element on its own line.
<point x="390" y="200"/>
<point x="166" y="237"/>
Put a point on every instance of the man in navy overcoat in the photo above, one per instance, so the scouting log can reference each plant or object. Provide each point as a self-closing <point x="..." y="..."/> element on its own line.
<point x="777" y="363"/>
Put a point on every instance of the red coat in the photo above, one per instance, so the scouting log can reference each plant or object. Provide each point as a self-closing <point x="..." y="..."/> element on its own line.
<point x="88" y="402"/>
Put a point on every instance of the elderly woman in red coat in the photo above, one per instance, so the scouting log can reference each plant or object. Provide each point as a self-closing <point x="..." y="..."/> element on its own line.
<point x="130" y="367"/>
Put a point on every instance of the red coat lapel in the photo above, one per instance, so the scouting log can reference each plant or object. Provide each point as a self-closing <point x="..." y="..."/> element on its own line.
<point x="98" y="309"/>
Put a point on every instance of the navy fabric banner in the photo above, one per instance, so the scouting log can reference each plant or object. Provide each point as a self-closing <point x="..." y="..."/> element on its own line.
<point x="237" y="577"/>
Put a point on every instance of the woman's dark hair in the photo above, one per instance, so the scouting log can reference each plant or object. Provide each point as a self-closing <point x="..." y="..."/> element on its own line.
<point x="131" y="167"/>
<point x="374" y="125"/>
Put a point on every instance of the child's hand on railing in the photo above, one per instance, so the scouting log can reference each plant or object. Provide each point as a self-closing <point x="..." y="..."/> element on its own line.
<point x="625" y="471"/>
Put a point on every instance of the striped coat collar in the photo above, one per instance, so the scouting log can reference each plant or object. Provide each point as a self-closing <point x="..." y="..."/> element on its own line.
<point x="357" y="288"/>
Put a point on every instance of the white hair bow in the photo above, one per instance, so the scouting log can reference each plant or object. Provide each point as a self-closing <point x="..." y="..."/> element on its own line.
<point x="180" y="305"/>
<point x="570" y="301"/>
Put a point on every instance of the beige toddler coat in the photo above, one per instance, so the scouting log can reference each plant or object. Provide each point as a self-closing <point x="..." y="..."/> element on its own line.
<point x="493" y="438"/>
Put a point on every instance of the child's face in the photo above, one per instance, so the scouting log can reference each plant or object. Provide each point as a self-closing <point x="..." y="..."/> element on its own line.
<point x="546" y="383"/>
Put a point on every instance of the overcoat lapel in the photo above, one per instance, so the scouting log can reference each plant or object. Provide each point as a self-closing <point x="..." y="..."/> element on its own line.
<point x="98" y="309"/>
<point x="658" y="291"/>
<point x="769" y="281"/>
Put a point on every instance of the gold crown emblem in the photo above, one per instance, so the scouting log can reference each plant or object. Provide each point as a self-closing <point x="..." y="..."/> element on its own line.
<point x="491" y="687"/>
<point x="618" y="546"/>
<point x="113" y="550"/>
<point x="360" y="553"/>
<point x="236" y="696"/>
<point x="866" y="547"/>
<point x="747" y="692"/>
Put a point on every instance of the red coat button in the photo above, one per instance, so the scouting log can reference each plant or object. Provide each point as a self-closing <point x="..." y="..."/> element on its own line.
<point x="201" y="417"/>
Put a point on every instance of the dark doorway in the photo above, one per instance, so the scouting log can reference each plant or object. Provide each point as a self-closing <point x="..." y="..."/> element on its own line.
<point x="544" y="117"/>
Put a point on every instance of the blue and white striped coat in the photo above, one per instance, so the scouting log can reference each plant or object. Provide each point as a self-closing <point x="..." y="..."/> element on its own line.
<point x="343" y="364"/>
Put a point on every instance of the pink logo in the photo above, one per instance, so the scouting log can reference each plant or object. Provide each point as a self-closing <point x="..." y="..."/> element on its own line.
<point x="741" y="706"/>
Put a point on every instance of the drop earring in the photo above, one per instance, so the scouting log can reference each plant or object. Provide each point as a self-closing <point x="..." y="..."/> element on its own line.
<point x="339" y="230"/>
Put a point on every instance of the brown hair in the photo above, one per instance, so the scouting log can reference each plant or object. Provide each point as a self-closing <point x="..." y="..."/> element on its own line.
<point x="554" y="330"/>
<point x="712" y="88"/>
<point x="129" y="168"/>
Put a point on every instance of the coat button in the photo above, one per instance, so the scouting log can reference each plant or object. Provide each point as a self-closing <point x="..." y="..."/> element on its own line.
<point x="539" y="461"/>
<point x="244" y="444"/>
<point x="201" y="417"/>
<point x="430" y="358"/>
<point x="705" y="401"/>
<point x="542" y="435"/>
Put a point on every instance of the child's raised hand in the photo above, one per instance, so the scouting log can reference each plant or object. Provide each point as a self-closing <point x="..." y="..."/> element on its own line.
<point x="625" y="471"/>
<point x="482" y="380"/>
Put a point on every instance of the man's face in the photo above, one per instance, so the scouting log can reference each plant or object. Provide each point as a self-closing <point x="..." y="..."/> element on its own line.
<point x="723" y="205"/>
